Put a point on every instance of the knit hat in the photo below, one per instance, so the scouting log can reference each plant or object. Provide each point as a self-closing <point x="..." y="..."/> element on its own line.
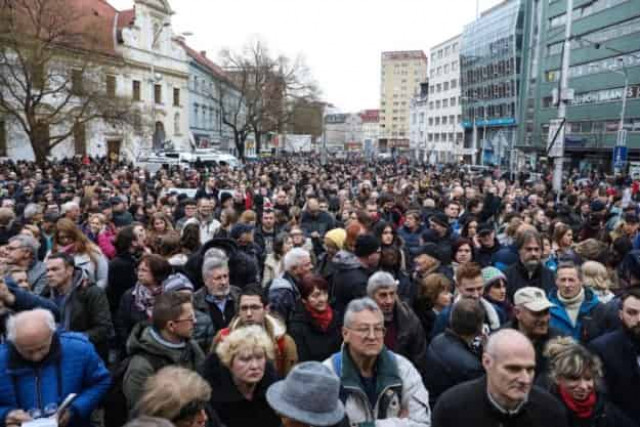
<point x="491" y="275"/>
<point x="429" y="249"/>
<point x="224" y="197"/>
<point x="440" y="218"/>
<point x="176" y="283"/>
<point x="366" y="245"/>
<point x="337" y="236"/>
<point x="597" y="206"/>
<point x="239" y="229"/>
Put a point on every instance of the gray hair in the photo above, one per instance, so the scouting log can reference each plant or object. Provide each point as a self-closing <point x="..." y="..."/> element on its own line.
<point x="26" y="316"/>
<point x="294" y="257"/>
<point x="66" y="207"/>
<point x="211" y="264"/>
<point x="379" y="280"/>
<point x="359" y="305"/>
<point x="28" y="242"/>
<point x="216" y="253"/>
<point x="31" y="210"/>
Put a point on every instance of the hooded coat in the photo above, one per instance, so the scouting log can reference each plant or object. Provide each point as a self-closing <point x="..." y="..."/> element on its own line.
<point x="349" y="281"/>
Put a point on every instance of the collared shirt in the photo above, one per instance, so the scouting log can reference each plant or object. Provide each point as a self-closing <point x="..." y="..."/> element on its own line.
<point x="507" y="412"/>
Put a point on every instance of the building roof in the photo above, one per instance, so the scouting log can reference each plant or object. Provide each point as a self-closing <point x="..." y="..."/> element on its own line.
<point x="201" y="58"/>
<point x="94" y="18"/>
<point x="399" y="55"/>
<point x="126" y="18"/>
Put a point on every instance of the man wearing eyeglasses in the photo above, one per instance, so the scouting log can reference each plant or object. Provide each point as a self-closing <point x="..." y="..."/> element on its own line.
<point x="23" y="252"/>
<point x="167" y="341"/>
<point x="377" y="383"/>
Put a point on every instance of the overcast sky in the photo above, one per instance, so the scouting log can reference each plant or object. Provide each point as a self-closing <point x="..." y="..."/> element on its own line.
<point x="341" y="40"/>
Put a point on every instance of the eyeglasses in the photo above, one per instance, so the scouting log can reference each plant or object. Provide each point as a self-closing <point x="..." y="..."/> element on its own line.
<point x="364" y="331"/>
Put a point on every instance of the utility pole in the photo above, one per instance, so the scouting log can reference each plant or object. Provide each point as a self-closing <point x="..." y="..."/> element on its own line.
<point x="563" y="99"/>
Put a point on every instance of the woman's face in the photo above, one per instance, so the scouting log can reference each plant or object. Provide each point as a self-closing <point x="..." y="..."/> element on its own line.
<point x="498" y="291"/>
<point x="472" y="229"/>
<point x="444" y="299"/>
<point x="64" y="238"/>
<point x="387" y="236"/>
<point x="297" y="236"/>
<point x="579" y="388"/>
<point x="287" y="245"/>
<point x="95" y="224"/>
<point x="546" y="248"/>
<point x="248" y="365"/>
<point x="567" y="239"/>
<point x="463" y="254"/>
<point x="159" y="225"/>
<point x="318" y="299"/>
<point x="144" y="275"/>
<point x="141" y="233"/>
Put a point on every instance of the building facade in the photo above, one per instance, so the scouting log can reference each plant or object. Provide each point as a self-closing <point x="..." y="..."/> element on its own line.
<point x="370" y="131"/>
<point x="418" y="124"/>
<point x="605" y="51"/>
<point x="491" y="64"/>
<point x="400" y="77"/>
<point x="445" y="135"/>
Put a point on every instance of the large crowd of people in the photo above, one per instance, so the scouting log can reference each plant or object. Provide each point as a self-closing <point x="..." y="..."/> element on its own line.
<point x="288" y="292"/>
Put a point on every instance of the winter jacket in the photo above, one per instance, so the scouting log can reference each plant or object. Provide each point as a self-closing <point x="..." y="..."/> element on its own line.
<point x="320" y="223"/>
<point x="312" y="342"/>
<point x="518" y="277"/>
<point x="233" y="409"/>
<point x="217" y="319"/>
<point x="605" y="414"/>
<point x="122" y="277"/>
<point x="491" y="323"/>
<point x="286" y="353"/>
<point x="450" y="361"/>
<point x="401" y="399"/>
<point x="468" y="404"/>
<point x="126" y="318"/>
<point x="86" y="310"/>
<point x="619" y="353"/>
<point x="72" y="366"/>
<point x="208" y="228"/>
<point x="272" y="268"/>
<point x="283" y="295"/>
<point x="505" y="257"/>
<point x="444" y="243"/>
<point x="37" y="277"/>
<point x="28" y="301"/>
<point x="483" y="255"/>
<point x="96" y="267"/>
<point x="145" y="339"/>
<point x="411" y="238"/>
<point x="411" y="341"/>
<point x="349" y="280"/>
<point x="585" y="328"/>
<point x="243" y="270"/>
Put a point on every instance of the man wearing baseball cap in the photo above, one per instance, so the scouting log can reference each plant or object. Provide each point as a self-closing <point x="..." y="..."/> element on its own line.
<point x="532" y="317"/>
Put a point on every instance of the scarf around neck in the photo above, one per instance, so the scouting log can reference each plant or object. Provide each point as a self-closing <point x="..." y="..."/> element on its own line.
<point x="581" y="408"/>
<point x="321" y="318"/>
<point x="143" y="298"/>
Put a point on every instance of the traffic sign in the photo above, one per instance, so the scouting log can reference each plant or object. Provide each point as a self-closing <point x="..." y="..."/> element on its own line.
<point x="555" y="143"/>
<point x="619" y="157"/>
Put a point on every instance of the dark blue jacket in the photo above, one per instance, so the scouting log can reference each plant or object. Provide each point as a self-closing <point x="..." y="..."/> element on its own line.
<point x="619" y="354"/>
<point x="585" y="328"/>
<point x="410" y="238"/>
<point x="72" y="366"/>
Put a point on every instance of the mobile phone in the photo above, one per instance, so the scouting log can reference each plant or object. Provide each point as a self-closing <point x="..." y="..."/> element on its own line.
<point x="65" y="404"/>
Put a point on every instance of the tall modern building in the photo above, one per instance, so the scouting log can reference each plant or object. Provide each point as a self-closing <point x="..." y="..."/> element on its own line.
<point x="605" y="51"/>
<point x="401" y="74"/>
<point x="445" y="135"/>
<point x="491" y="61"/>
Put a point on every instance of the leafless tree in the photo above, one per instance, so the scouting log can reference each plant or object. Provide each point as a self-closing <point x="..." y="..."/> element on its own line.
<point x="53" y="58"/>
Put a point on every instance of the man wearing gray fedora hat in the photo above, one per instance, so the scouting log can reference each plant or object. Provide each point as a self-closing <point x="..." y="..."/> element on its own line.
<point x="308" y="396"/>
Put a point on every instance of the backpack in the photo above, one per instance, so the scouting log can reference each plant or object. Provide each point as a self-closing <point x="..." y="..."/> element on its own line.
<point x="116" y="409"/>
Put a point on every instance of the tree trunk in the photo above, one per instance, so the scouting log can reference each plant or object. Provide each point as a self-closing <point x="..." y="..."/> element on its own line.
<point x="239" y="146"/>
<point x="258" y="136"/>
<point x="40" y="146"/>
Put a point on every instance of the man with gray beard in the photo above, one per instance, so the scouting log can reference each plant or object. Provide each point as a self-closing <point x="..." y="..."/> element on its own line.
<point x="529" y="270"/>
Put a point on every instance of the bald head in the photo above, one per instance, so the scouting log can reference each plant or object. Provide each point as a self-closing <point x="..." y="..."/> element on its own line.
<point x="508" y="340"/>
<point x="31" y="333"/>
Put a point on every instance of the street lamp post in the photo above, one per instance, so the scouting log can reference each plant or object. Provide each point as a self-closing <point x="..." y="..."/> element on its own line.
<point x="623" y="110"/>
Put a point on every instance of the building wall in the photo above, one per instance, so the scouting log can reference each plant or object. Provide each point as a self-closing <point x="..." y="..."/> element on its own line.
<point x="444" y="129"/>
<point x="401" y="74"/>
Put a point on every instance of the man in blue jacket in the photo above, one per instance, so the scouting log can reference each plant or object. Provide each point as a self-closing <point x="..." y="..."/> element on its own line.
<point x="40" y="367"/>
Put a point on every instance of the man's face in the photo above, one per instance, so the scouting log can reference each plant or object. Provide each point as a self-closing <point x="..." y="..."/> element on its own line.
<point x="35" y="345"/>
<point x="18" y="254"/>
<point x="471" y="288"/>
<point x="487" y="240"/>
<point x="58" y="273"/>
<point x="268" y="220"/>
<point x="372" y="211"/>
<point x="534" y="324"/>
<point x="281" y="198"/>
<point x="411" y="222"/>
<point x="386" y="300"/>
<point x="190" y="210"/>
<point x="530" y="253"/>
<point x="568" y="283"/>
<point x="217" y="282"/>
<point x="630" y="316"/>
<point x="303" y="268"/>
<point x="510" y="374"/>
<point x="252" y="310"/>
<point x="205" y="208"/>
<point x="452" y="210"/>
<point x="183" y="326"/>
<point x="312" y="206"/>
<point x="22" y="280"/>
<point x="365" y="334"/>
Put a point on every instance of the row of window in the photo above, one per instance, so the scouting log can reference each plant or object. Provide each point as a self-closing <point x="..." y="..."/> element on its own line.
<point x="603" y="65"/>
<point x="598" y="96"/>
<point x="491" y="92"/>
<point x="451" y="120"/>
<point x="597" y="127"/>
<point x="443" y="86"/>
<point x="446" y="69"/>
<point x="583" y="11"/>
<point x="205" y="117"/>
<point x="492" y="111"/>
<point x="498" y="69"/>
<point x="444" y="137"/>
<point x="445" y="103"/>
<point x="615" y="31"/>
<point x="444" y="52"/>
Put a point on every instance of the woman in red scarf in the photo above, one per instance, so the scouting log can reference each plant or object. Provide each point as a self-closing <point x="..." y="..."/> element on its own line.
<point x="574" y="373"/>
<point x="314" y="325"/>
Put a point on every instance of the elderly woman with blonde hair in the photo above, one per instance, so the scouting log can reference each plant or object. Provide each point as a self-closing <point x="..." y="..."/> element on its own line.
<point x="596" y="277"/>
<point x="178" y="395"/>
<point x="240" y="371"/>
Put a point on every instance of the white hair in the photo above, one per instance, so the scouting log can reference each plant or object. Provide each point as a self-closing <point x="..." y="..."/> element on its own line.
<point x="216" y="253"/>
<point x="211" y="264"/>
<point x="27" y="242"/>
<point x="31" y="210"/>
<point x="379" y="280"/>
<point x="28" y="316"/>
<point x="67" y="207"/>
<point x="294" y="258"/>
<point x="359" y="305"/>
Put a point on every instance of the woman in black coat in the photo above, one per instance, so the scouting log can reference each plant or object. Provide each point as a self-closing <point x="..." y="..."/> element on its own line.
<point x="574" y="373"/>
<point x="314" y="326"/>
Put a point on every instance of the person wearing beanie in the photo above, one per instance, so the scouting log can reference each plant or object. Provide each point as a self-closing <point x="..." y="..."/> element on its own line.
<point x="333" y="242"/>
<point x="243" y="235"/>
<point x="495" y="291"/>
<point x="439" y="233"/>
<point x="350" y="279"/>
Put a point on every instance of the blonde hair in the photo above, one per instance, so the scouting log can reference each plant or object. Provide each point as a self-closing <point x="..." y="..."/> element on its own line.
<point x="569" y="359"/>
<point x="252" y="337"/>
<point x="168" y="391"/>
<point x="596" y="276"/>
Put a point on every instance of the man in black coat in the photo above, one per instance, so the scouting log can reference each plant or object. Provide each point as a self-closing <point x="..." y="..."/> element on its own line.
<point x="489" y="244"/>
<point x="620" y="351"/>
<point x="506" y="395"/>
<point x="122" y="268"/>
<point x="453" y="356"/>
<point x="529" y="270"/>
<point x="353" y="271"/>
